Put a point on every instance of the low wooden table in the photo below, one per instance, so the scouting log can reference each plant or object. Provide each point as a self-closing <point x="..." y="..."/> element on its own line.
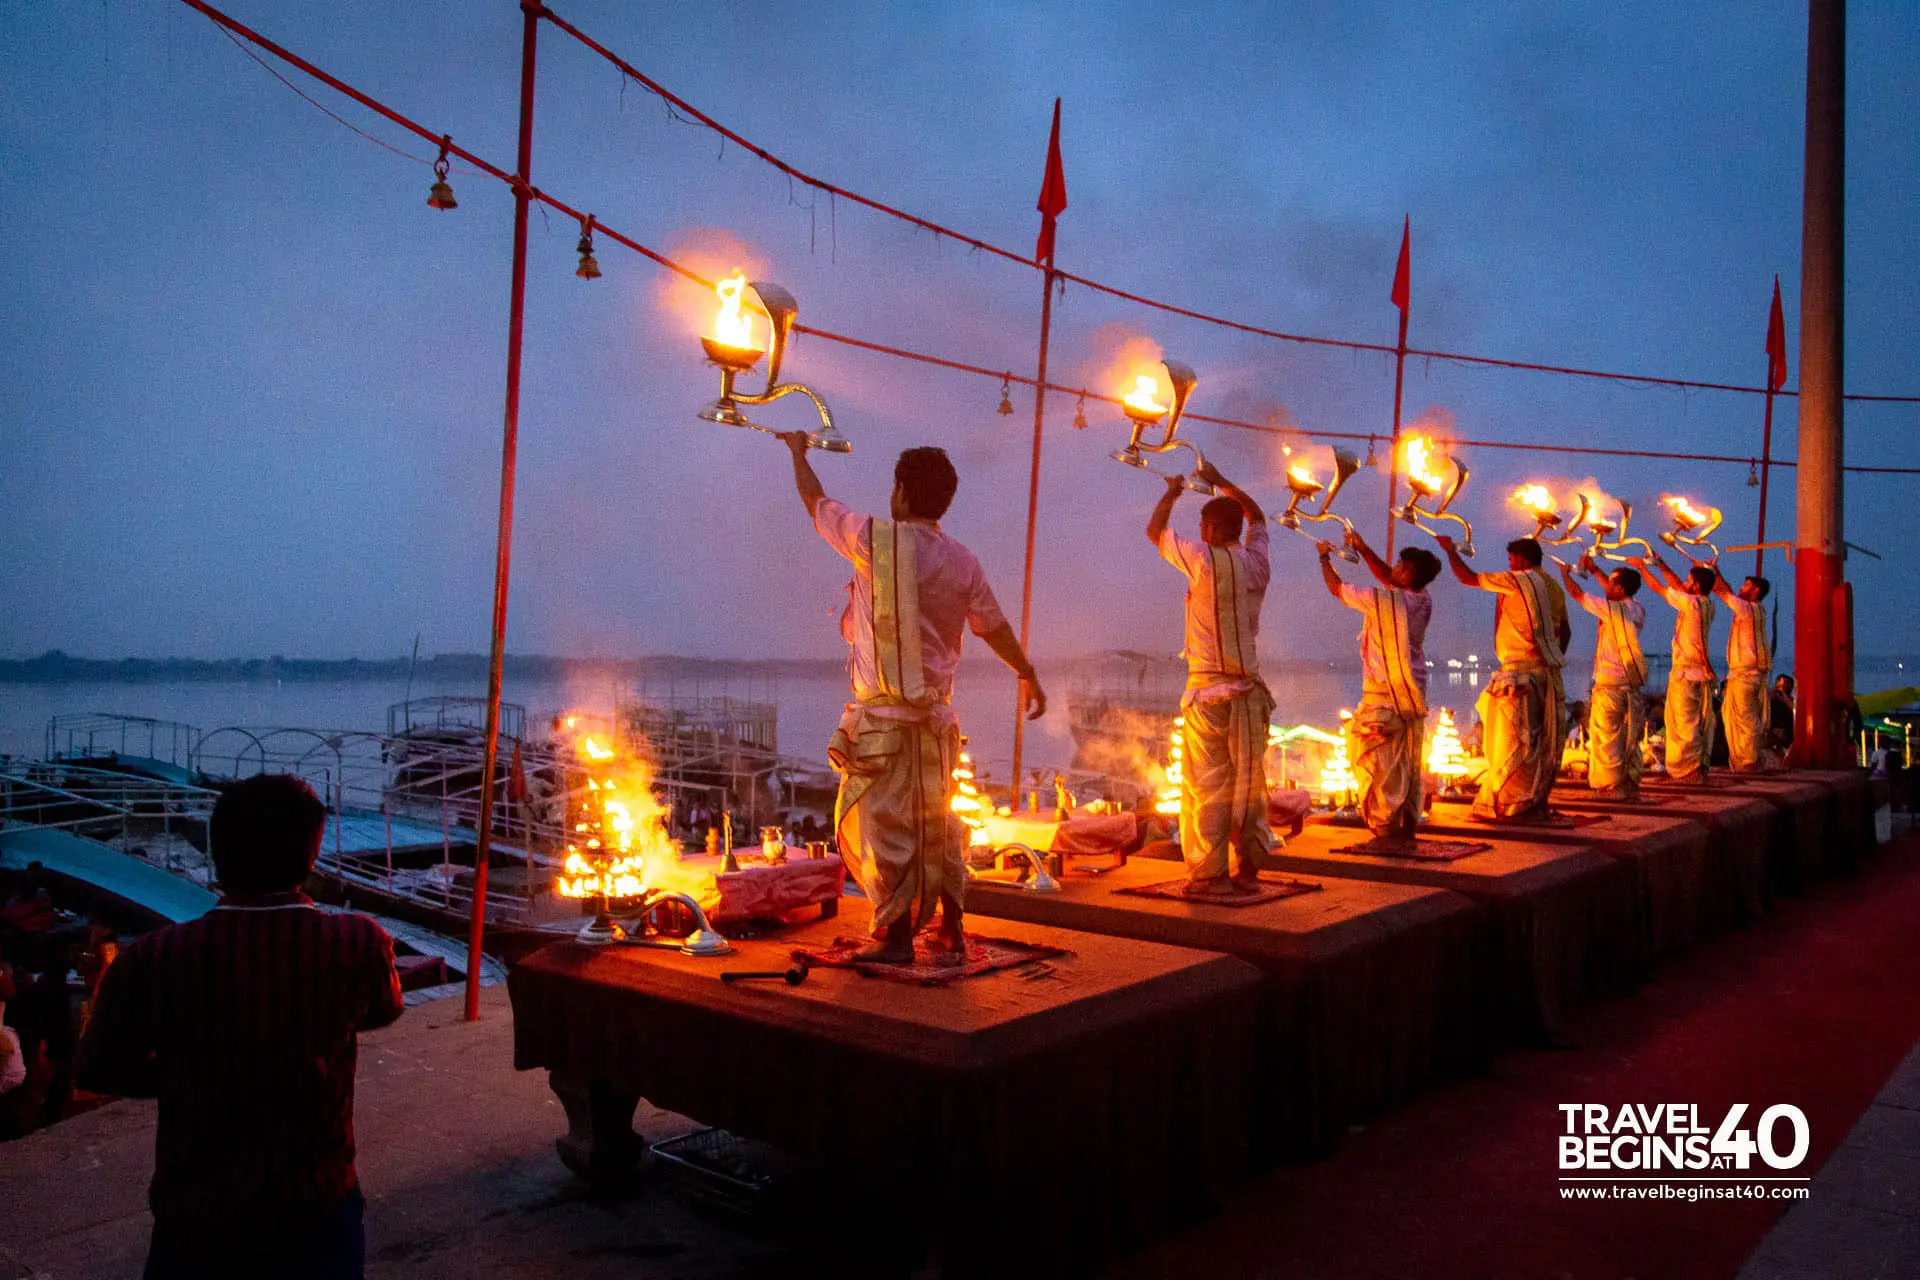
<point x="1372" y="989"/>
<point x="1049" y="1119"/>
<point x="1667" y="857"/>
<point x="1734" y="889"/>
<point x="1805" y="844"/>
<point x="1562" y="917"/>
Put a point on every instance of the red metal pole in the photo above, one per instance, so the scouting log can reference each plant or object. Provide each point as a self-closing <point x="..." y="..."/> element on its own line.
<point x="1033" y="509"/>
<point x="1393" y="445"/>
<point x="1766" y="474"/>
<point x="1819" y="566"/>
<point x="503" y="547"/>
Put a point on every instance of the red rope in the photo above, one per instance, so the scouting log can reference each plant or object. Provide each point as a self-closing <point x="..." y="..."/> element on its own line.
<point x="901" y="352"/>
<point x="879" y="206"/>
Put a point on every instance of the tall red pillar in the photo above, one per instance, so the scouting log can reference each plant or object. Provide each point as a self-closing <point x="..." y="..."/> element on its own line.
<point x="1822" y="657"/>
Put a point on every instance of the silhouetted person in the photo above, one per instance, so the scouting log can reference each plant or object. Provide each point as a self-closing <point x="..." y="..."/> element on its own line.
<point x="243" y="1024"/>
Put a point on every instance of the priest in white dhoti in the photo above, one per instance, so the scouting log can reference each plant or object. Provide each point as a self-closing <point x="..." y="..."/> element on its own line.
<point x="1385" y="732"/>
<point x="914" y="590"/>
<point x="1689" y="713"/>
<point x="1617" y="708"/>
<point x="1224" y="836"/>
<point x="1743" y="700"/>
<point x="1524" y="707"/>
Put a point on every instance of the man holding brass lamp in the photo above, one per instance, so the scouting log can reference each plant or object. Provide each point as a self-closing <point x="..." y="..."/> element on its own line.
<point x="1224" y="836"/>
<point x="913" y="591"/>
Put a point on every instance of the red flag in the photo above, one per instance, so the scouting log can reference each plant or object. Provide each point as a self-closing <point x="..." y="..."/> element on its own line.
<point x="1776" y="343"/>
<point x="1053" y="193"/>
<point x="517" y="777"/>
<point x="1403" y="274"/>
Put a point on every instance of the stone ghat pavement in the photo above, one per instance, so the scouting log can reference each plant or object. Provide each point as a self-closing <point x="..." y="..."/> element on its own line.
<point x="456" y="1159"/>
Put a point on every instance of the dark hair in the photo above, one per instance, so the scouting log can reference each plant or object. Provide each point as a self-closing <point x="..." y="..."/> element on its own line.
<point x="1629" y="580"/>
<point x="1702" y="577"/>
<point x="1527" y="549"/>
<point x="1760" y="582"/>
<point x="1226" y="514"/>
<point x="265" y="833"/>
<point x="1425" y="565"/>
<point x="927" y="478"/>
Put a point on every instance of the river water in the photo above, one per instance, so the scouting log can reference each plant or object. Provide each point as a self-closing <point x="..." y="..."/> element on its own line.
<point x="808" y="706"/>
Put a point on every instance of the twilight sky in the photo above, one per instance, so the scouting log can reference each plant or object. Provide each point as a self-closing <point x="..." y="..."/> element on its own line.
<point x="251" y="400"/>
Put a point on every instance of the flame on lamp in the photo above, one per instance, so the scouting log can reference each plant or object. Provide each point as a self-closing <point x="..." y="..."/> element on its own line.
<point x="1337" y="780"/>
<point x="1168" y="802"/>
<point x="1445" y="759"/>
<point x="618" y="845"/>
<point x="1536" y="498"/>
<point x="733" y="325"/>
<point x="1141" y="402"/>
<point x="1684" y="513"/>
<point x="1417" y="459"/>
<point x="1301" y="477"/>
<point x="967" y="803"/>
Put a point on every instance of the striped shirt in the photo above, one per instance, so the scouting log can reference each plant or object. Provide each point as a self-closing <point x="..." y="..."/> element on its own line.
<point x="242" y="1023"/>
<point x="1225" y="589"/>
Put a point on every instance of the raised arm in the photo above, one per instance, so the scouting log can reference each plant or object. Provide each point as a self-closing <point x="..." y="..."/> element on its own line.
<point x="1460" y="570"/>
<point x="1573" y="588"/>
<point x="1329" y="573"/>
<point x="804" y="479"/>
<point x="1721" y="588"/>
<point x="1658" y="568"/>
<point x="1248" y="507"/>
<point x="1163" y="509"/>
<point x="1004" y="643"/>
<point x="1381" y="570"/>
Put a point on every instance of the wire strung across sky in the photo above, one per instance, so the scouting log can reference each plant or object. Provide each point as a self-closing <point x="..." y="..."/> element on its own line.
<point x="235" y="28"/>
<point x="687" y="109"/>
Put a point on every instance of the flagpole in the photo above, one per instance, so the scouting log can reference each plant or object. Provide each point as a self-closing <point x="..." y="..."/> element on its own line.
<point x="503" y="550"/>
<point x="1402" y="297"/>
<point x="1766" y="469"/>
<point x="1052" y="203"/>
<point x="1393" y="445"/>
<point x="1033" y="509"/>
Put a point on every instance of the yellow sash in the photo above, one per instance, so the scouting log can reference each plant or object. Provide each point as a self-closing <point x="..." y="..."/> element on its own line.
<point x="1236" y="648"/>
<point x="1531" y="587"/>
<point x="1626" y="641"/>
<point x="896" y="614"/>
<point x="1389" y="615"/>
<point x="1753" y="619"/>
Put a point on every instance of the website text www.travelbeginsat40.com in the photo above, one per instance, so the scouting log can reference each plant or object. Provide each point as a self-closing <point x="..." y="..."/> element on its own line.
<point x="1687" y="1191"/>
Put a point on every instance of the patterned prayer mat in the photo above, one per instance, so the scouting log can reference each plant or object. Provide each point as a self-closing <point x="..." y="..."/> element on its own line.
<point x="1269" y="891"/>
<point x="984" y="955"/>
<point x="1420" y="850"/>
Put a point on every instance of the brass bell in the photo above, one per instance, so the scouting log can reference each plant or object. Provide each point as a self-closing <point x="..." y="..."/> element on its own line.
<point x="1753" y="474"/>
<point x="1080" y="414"/>
<point x="440" y="196"/>
<point x="589" y="269"/>
<point x="1006" y="397"/>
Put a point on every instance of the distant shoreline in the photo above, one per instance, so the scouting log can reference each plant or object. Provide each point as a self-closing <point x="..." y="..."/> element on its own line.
<point x="56" y="667"/>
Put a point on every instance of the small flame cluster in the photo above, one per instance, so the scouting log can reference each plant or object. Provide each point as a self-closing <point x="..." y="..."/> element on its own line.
<point x="1417" y="459"/>
<point x="734" y="324"/>
<point x="1684" y="513"/>
<point x="1536" y="498"/>
<point x="1145" y="385"/>
<point x="1337" y="780"/>
<point x="967" y="803"/>
<point x="1445" y="759"/>
<point x="618" y="846"/>
<point x="1168" y="802"/>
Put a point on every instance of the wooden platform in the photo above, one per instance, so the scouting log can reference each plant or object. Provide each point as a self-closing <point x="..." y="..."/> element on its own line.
<point x="1562" y="918"/>
<point x="1667" y="857"/>
<point x="1372" y="989"/>
<point x="1734" y="888"/>
<point x="1805" y="844"/>
<point x="1109" y="1093"/>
